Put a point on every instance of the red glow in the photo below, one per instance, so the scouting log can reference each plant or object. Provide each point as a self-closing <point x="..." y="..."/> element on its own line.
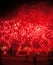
<point x="31" y="30"/>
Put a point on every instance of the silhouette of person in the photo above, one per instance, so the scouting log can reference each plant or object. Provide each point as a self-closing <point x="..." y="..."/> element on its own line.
<point x="34" y="59"/>
<point x="1" y="57"/>
<point x="27" y="58"/>
<point x="11" y="52"/>
<point x="50" y="57"/>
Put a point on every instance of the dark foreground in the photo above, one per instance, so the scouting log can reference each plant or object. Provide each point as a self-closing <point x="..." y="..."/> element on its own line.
<point x="21" y="60"/>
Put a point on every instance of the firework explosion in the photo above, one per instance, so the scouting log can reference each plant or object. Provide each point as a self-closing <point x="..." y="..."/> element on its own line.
<point x="32" y="29"/>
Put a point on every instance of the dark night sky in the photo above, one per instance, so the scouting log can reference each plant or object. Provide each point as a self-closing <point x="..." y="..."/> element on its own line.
<point x="9" y="6"/>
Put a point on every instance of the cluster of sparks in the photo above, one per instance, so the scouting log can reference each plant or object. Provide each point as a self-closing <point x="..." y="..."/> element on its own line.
<point x="32" y="30"/>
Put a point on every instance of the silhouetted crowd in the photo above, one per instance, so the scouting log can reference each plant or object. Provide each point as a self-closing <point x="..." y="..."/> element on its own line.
<point x="12" y="52"/>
